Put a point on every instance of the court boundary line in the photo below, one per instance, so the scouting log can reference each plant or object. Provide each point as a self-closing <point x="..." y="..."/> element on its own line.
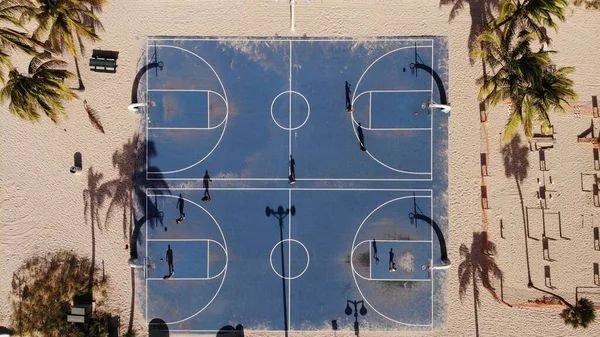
<point x="299" y="179"/>
<point x="317" y="179"/>
<point x="295" y="189"/>
<point x="431" y="273"/>
<point x="259" y="39"/>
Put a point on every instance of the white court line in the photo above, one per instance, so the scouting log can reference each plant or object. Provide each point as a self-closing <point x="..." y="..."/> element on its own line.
<point x="431" y="201"/>
<point x="431" y="270"/>
<point x="400" y="279"/>
<point x="146" y="164"/>
<point x="208" y="109"/>
<point x="397" y="129"/>
<point x="178" y="279"/>
<point x="401" y="241"/>
<point x="301" y="179"/>
<point x="370" y="264"/>
<point x="296" y="189"/>
<point x="208" y="259"/>
<point x="208" y="91"/>
<point x="370" y="108"/>
<point x="174" y="128"/>
<point x="431" y="125"/>
<point x="289" y="303"/>
<point x="370" y="92"/>
<point x="226" y="39"/>
<point x="290" y="106"/>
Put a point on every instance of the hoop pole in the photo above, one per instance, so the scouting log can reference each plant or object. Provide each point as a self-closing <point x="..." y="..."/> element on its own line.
<point x="292" y="14"/>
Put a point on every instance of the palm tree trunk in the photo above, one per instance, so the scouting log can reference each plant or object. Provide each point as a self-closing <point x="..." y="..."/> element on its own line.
<point x="81" y="86"/>
<point x="475" y="302"/>
<point x="529" y="284"/>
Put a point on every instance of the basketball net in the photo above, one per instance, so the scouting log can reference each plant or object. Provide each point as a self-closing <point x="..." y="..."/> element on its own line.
<point x="427" y="266"/>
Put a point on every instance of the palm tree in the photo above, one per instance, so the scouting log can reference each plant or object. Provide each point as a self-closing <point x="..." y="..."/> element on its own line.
<point x="582" y="314"/>
<point x="10" y="38"/>
<point x="477" y="265"/>
<point x="41" y="90"/>
<point x="526" y="78"/>
<point x="64" y="22"/>
<point x="531" y="15"/>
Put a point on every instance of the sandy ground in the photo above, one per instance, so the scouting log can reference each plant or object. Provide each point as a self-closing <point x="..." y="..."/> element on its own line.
<point x="42" y="205"/>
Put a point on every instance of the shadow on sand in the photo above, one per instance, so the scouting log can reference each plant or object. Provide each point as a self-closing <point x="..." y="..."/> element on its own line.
<point x="481" y="12"/>
<point x="477" y="266"/>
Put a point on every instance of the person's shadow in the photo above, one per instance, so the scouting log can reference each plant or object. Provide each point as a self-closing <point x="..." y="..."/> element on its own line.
<point x="230" y="331"/>
<point x="348" y="93"/>
<point x="180" y="204"/>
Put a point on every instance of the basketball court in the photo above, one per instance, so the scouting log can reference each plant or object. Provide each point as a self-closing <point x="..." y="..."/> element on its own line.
<point x="300" y="230"/>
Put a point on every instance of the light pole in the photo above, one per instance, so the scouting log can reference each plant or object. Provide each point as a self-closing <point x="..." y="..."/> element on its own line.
<point x="281" y="214"/>
<point x="348" y="311"/>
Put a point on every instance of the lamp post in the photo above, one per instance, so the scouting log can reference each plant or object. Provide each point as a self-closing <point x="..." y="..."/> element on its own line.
<point x="348" y="311"/>
<point x="281" y="214"/>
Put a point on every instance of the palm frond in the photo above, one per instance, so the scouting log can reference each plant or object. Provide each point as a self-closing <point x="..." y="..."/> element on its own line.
<point x="93" y="116"/>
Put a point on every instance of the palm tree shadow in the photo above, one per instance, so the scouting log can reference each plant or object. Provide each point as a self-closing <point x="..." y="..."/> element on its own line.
<point x="93" y="199"/>
<point x="129" y="198"/>
<point x="482" y="12"/>
<point x="478" y="266"/>
<point x="129" y="189"/>
<point x="516" y="164"/>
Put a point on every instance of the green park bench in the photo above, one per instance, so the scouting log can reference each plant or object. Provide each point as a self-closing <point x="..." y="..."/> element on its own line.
<point x="104" y="61"/>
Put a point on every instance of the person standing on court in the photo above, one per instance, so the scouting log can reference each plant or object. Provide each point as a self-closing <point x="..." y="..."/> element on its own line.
<point x="205" y="181"/>
<point x="170" y="261"/>
<point x="348" y="100"/>
<point x="361" y="137"/>
<point x="180" y="203"/>
<point x="374" y="244"/>
<point x="292" y="177"/>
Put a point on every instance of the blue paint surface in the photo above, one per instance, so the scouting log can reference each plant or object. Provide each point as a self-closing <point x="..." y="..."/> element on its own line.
<point x="239" y="109"/>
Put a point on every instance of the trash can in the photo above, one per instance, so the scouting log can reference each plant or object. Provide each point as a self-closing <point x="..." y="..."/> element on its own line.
<point x="75" y="170"/>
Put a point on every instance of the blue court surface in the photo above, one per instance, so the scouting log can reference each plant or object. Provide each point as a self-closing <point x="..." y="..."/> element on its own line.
<point x="299" y="226"/>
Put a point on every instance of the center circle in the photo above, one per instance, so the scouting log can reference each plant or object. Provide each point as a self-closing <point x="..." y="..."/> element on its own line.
<point x="283" y="108"/>
<point x="290" y="241"/>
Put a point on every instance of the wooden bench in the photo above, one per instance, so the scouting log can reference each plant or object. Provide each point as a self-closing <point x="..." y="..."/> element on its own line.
<point x="75" y="319"/>
<point x="104" y="61"/>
